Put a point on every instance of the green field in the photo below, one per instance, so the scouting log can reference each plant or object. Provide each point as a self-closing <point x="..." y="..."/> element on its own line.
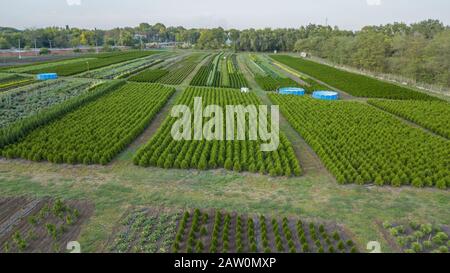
<point x="354" y="84"/>
<point x="360" y="144"/>
<point x="72" y="67"/>
<point x="238" y="155"/>
<point x="346" y="172"/>
<point x="97" y="132"/>
<point x="433" y="115"/>
<point x="221" y="70"/>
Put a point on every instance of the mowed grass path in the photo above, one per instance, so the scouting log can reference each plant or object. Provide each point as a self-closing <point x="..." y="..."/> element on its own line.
<point x="115" y="188"/>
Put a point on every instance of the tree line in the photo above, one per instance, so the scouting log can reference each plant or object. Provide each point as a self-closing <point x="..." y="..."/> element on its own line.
<point x="420" y="51"/>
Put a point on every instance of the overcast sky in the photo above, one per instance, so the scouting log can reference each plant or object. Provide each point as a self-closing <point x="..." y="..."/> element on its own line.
<point x="347" y="14"/>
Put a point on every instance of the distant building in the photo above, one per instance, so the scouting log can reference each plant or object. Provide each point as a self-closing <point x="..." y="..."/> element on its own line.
<point x="139" y="37"/>
<point x="303" y="54"/>
<point x="168" y="45"/>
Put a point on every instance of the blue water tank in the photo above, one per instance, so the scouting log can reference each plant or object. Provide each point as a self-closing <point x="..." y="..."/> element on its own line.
<point x="292" y="91"/>
<point x="326" y="95"/>
<point x="47" y="76"/>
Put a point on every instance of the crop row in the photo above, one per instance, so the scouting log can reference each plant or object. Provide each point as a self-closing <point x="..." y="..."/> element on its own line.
<point x="145" y="231"/>
<point x="67" y="69"/>
<point x="201" y="78"/>
<point x="47" y="64"/>
<point x="262" y="67"/>
<point x="433" y="115"/>
<point x="268" y="83"/>
<point x="361" y="144"/>
<point x="149" y="75"/>
<point x="173" y="74"/>
<point x="22" y="127"/>
<point x="96" y="132"/>
<point x="27" y="101"/>
<point x="238" y="155"/>
<point x="181" y="70"/>
<point x="10" y="81"/>
<point x="40" y="225"/>
<point x="215" y="231"/>
<point x="266" y="77"/>
<point x="354" y="84"/>
<point x="220" y="71"/>
<point x="237" y="79"/>
<point x="414" y="237"/>
<point x="124" y="69"/>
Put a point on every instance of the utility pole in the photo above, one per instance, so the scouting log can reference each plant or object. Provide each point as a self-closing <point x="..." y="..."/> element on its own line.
<point x="50" y="42"/>
<point x="20" y="55"/>
<point x="96" y="40"/>
<point x="35" y="47"/>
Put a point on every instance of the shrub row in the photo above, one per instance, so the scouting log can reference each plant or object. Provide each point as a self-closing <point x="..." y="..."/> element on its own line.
<point x="67" y="69"/>
<point x="361" y="144"/>
<point x="165" y="152"/>
<point x="433" y="115"/>
<point x="354" y="84"/>
<point x="95" y="133"/>
<point x="20" y="129"/>
<point x="239" y="233"/>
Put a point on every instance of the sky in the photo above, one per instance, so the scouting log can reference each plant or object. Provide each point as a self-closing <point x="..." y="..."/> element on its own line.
<point x="240" y="14"/>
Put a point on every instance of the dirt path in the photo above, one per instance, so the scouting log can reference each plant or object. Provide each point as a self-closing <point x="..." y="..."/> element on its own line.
<point x="410" y="123"/>
<point x="309" y="160"/>
<point x="152" y="128"/>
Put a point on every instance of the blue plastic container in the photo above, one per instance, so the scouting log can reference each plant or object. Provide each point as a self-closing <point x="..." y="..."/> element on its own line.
<point x="47" y="76"/>
<point x="326" y="95"/>
<point x="292" y="91"/>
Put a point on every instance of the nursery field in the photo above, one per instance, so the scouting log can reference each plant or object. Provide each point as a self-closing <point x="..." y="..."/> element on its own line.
<point x="360" y="144"/>
<point x="266" y="77"/>
<point x="10" y="81"/>
<point x="95" y="133"/>
<point x="238" y="155"/>
<point x="90" y="158"/>
<point x="21" y="127"/>
<point x="145" y="231"/>
<point x="414" y="237"/>
<point x="215" y="231"/>
<point x="40" y="225"/>
<point x="72" y="67"/>
<point x="174" y="74"/>
<point x="179" y="71"/>
<point x="354" y="84"/>
<point x="125" y="69"/>
<point x="433" y="115"/>
<point x="221" y="70"/>
<point x="26" y="101"/>
<point x="44" y="65"/>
